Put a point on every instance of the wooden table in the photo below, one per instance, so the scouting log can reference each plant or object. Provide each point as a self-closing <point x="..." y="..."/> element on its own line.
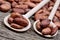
<point x="7" y="34"/>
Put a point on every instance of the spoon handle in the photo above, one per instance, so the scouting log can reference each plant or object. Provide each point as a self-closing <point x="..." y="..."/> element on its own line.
<point x="35" y="9"/>
<point x="54" y="10"/>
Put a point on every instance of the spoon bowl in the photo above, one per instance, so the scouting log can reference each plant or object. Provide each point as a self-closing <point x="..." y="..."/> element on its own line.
<point x="34" y="26"/>
<point x="19" y="30"/>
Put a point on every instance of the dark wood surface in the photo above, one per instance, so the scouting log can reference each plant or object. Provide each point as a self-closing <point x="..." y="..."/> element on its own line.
<point x="7" y="34"/>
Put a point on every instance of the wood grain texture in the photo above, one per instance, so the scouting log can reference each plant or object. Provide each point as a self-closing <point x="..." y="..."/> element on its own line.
<point x="7" y="34"/>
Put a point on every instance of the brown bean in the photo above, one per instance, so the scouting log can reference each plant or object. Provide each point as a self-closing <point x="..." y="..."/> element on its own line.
<point x="36" y="1"/>
<point x="40" y="11"/>
<point x="16" y="26"/>
<point x="37" y="16"/>
<point x="21" y="11"/>
<point x="54" y="30"/>
<point x="15" y="15"/>
<point x="10" y="0"/>
<point x="21" y="21"/>
<point x="59" y="8"/>
<point x="51" y="3"/>
<point x="58" y="14"/>
<point x="46" y="31"/>
<point x="10" y="20"/>
<point x="38" y="25"/>
<point x="46" y="12"/>
<point x="21" y="6"/>
<point x="30" y="4"/>
<point x="45" y="23"/>
<point x="14" y="4"/>
<point x="1" y="1"/>
<point x="5" y="7"/>
<point x="16" y="0"/>
<point x="40" y="16"/>
<point x="28" y="0"/>
<point x="23" y="0"/>
<point x="21" y="3"/>
<point x="26" y="10"/>
<point x="55" y="19"/>
<point x="53" y="0"/>
<point x="5" y="2"/>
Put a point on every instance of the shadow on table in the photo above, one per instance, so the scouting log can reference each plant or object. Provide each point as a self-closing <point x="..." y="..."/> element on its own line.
<point x="26" y="31"/>
<point x="44" y="36"/>
<point x="13" y="30"/>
